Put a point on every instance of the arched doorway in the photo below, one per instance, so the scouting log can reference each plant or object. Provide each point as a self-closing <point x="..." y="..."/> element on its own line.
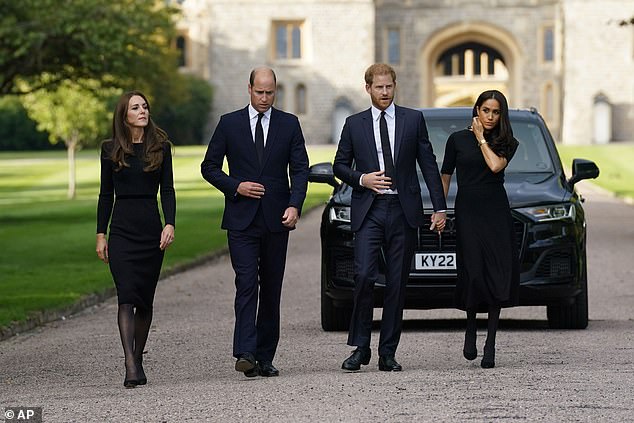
<point x="463" y="71"/>
<point x="461" y="61"/>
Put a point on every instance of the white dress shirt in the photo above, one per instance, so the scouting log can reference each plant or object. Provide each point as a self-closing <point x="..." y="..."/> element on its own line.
<point x="253" y="120"/>
<point x="390" y="119"/>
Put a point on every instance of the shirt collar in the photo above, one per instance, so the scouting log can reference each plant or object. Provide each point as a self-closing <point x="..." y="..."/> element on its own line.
<point x="254" y="113"/>
<point x="390" y="111"/>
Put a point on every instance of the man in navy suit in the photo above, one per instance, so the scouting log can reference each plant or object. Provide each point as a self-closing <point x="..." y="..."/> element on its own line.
<point x="377" y="157"/>
<point x="263" y="147"/>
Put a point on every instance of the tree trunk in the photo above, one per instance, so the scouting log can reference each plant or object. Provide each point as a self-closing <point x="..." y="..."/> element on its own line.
<point x="71" y="147"/>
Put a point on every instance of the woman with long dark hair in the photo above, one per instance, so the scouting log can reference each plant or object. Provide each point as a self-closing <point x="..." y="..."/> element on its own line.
<point x="486" y="252"/>
<point x="135" y="162"/>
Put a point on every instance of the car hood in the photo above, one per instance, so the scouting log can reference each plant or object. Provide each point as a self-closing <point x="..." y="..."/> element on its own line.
<point x="522" y="190"/>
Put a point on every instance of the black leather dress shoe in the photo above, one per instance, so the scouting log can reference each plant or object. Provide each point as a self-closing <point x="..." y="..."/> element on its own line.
<point x="387" y="363"/>
<point x="359" y="356"/>
<point x="252" y="373"/>
<point x="245" y="362"/>
<point x="267" y="369"/>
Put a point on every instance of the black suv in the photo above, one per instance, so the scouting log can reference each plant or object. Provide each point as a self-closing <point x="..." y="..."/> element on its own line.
<point x="548" y="220"/>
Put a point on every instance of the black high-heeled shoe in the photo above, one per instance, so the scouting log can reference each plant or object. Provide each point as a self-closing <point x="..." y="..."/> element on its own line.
<point x="142" y="378"/>
<point x="130" y="383"/>
<point x="488" y="360"/>
<point x="469" y="351"/>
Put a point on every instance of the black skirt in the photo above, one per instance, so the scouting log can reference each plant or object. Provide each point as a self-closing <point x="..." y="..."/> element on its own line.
<point x="487" y="257"/>
<point x="133" y="248"/>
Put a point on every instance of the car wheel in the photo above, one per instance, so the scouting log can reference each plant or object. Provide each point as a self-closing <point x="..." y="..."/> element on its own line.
<point x="333" y="318"/>
<point x="574" y="316"/>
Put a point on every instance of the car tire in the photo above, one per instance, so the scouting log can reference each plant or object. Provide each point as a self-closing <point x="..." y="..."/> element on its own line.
<point x="333" y="318"/>
<point x="574" y="316"/>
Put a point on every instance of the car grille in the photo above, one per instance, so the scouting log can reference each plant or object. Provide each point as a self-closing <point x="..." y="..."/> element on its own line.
<point x="429" y="241"/>
<point x="342" y="264"/>
<point x="556" y="263"/>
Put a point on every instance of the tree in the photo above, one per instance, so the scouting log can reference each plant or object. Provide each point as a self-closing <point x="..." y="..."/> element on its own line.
<point x="185" y="117"/>
<point x="116" y="42"/>
<point x="17" y="130"/>
<point x="71" y="113"/>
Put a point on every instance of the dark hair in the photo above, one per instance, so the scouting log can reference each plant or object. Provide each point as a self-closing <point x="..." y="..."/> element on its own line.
<point x="500" y="138"/>
<point x="254" y="71"/>
<point x="378" y="69"/>
<point x="121" y="139"/>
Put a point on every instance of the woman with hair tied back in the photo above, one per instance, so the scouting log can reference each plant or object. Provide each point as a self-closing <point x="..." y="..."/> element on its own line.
<point x="135" y="162"/>
<point x="486" y="251"/>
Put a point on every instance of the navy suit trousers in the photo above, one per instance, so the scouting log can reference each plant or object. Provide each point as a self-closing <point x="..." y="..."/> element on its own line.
<point x="258" y="257"/>
<point x="384" y="226"/>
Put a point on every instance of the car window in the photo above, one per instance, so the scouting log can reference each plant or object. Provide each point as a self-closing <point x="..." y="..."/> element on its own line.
<point x="531" y="155"/>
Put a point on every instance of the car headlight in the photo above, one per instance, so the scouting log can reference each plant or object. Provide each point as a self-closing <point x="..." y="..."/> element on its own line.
<point x="550" y="212"/>
<point x="339" y="214"/>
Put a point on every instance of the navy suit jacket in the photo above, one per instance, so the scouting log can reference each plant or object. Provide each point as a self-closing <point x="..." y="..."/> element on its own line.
<point x="284" y="155"/>
<point x="412" y="145"/>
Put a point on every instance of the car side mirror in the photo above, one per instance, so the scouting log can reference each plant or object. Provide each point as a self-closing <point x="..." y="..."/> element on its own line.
<point x="322" y="173"/>
<point x="583" y="169"/>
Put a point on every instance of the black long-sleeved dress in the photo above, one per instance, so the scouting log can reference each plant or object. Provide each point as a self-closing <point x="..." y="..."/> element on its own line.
<point x="486" y="251"/>
<point x="128" y="200"/>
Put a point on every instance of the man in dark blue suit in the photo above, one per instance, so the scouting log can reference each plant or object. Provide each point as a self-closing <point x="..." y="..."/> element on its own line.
<point x="377" y="157"/>
<point x="263" y="147"/>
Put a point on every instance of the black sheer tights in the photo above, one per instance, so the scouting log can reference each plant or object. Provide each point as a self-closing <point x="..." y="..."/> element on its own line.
<point x="470" y="351"/>
<point x="134" y="327"/>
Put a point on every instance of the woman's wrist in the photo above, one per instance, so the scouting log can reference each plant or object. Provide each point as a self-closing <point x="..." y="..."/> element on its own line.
<point x="482" y="141"/>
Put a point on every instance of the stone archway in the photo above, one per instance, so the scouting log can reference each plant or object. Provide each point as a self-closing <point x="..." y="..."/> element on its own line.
<point x="462" y="60"/>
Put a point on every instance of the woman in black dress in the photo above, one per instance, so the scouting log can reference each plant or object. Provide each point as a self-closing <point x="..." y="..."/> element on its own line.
<point x="134" y="163"/>
<point x="486" y="254"/>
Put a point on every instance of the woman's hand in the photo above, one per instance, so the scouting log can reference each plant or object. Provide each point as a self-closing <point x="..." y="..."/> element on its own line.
<point x="477" y="128"/>
<point x="167" y="236"/>
<point x="102" y="247"/>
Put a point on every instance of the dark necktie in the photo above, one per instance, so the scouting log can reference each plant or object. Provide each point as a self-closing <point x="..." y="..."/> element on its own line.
<point x="385" y="146"/>
<point x="259" y="138"/>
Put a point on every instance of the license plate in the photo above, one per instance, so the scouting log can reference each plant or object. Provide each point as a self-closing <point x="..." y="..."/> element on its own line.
<point x="435" y="261"/>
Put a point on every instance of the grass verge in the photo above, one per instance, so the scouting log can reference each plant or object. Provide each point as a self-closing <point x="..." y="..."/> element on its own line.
<point x="47" y="243"/>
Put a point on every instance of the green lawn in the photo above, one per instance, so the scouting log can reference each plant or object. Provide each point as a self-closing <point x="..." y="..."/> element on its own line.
<point x="614" y="161"/>
<point x="47" y="243"/>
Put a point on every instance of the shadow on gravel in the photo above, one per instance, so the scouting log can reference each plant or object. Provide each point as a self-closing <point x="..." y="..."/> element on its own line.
<point x="459" y="324"/>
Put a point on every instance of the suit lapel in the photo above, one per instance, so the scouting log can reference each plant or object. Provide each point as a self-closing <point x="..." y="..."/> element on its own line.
<point x="399" y="127"/>
<point x="247" y="134"/>
<point x="368" y="126"/>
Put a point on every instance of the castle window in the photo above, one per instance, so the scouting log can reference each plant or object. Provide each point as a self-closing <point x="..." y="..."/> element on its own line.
<point x="394" y="46"/>
<point x="288" y="39"/>
<point x="279" y="97"/>
<point x="300" y="99"/>
<point x="181" y="46"/>
<point x="548" y="44"/>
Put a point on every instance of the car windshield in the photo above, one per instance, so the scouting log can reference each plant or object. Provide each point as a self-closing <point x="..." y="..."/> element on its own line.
<point x="531" y="155"/>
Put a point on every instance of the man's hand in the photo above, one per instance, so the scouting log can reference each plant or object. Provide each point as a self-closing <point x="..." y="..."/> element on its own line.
<point x="376" y="181"/>
<point x="251" y="189"/>
<point x="290" y="218"/>
<point x="438" y="220"/>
